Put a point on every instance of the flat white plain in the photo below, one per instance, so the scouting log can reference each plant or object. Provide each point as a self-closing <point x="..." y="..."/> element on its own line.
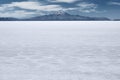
<point x="60" y="50"/>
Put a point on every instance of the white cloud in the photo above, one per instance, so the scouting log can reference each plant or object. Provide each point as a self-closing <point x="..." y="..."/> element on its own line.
<point x="87" y="7"/>
<point x="65" y="1"/>
<point x="114" y="3"/>
<point x="1" y="8"/>
<point x="9" y="10"/>
<point x="17" y="14"/>
<point x="33" y="8"/>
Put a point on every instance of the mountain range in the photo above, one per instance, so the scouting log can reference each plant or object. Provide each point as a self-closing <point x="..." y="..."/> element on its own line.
<point x="59" y="17"/>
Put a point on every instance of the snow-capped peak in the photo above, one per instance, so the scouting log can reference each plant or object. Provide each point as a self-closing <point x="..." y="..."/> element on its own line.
<point x="60" y="13"/>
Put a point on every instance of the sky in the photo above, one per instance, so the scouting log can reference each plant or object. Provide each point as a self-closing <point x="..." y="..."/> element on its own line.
<point x="33" y="8"/>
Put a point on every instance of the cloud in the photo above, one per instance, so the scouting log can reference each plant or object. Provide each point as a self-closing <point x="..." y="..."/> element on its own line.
<point x="87" y="7"/>
<point x="9" y="10"/>
<point x="17" y="14"/>
<point x="32" y="6"/>
<point x="27" y="9"/>
<point x="114" y="3"/>
<point x="65" y="1"/>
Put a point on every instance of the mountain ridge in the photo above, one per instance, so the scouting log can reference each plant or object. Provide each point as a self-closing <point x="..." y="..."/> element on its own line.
<point x="61" y="16"/>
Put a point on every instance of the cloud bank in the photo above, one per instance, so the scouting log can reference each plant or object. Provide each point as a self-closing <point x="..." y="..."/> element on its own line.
<point x="64" y="1"/>
<point x="114" y="3"/>
<point x="87" y="7"/>
<point x="27" y="9"/>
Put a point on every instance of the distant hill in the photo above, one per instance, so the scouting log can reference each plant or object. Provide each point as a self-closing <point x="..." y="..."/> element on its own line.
<point x="8" y="19"/>
<point x="116" y="19"/>
<point x="58" y="17"/>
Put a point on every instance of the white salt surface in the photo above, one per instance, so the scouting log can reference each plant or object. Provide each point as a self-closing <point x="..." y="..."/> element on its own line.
<point x="60" y="50"/>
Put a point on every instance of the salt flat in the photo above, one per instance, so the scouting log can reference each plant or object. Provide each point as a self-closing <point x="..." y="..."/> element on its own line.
<point x="60" y="50"/>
